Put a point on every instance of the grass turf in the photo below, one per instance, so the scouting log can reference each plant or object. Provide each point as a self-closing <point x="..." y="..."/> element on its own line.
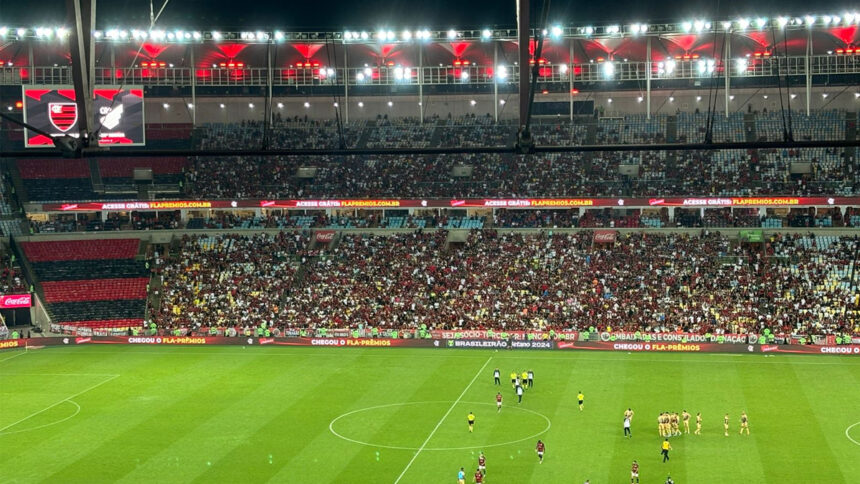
<point x="227" y="414"/>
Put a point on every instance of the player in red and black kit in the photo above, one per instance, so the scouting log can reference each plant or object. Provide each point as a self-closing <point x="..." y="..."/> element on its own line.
<point x="482" y="464"/>
<point x="540" y="449"/>
<point x="498" y="402"/>
<point x="634" y="472"/>
<point x="479" y="478"/>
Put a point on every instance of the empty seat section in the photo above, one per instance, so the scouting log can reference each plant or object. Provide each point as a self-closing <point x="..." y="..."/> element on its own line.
<point x="81" y="249"/>
<point x="95" y="289"/>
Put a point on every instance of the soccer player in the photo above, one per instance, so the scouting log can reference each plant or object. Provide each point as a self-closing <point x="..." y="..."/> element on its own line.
<point x="669" y="480"/>
<point x="461" y="476"/>
<point x="498" y="402"/>
<point x="514" y="379"/>
<point x="628" y="414"/>
<point x="519" y="394"/>
<point x="660" y="425"/>
<point x="726" y="424"/>
<point x="471" y="418"/>
<point x="479" y="478"/>
<point x="531" y="378"/>
<point x="665" y="449"/>
<point x="525" y="379"/>
<point x="540" y="448"/>
<point x="482" y="464"/>
<point x="745" y="425"/>
<point x="698" y="423"/>
<point x="634" y="472"/>
<point x="675" y="427"/>
<point x="686" y="417"/>
<point x="581" y="399"/>
<point x="496" y="377"/>
<point x="627" y="427"/>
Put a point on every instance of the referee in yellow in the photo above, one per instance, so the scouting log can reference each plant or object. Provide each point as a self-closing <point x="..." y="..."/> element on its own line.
<point x="665" y="449"/>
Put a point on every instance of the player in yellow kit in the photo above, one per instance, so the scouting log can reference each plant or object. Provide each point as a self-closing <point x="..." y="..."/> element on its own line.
<point x="686" y="417"/>
<point x="698" y="423"/>
<point x="581" y="399"/>
<point x="745" y="424"/>
<point x="471" y="419"/>
<point x="726" y="424"/>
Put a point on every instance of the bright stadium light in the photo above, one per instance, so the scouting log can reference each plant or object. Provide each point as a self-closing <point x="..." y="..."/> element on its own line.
<point x="365" y="36"/>
<point x="741" y="65"/>
<point x="609" y="100"/>
<point x="279" y="36"/>
<point x="390" y="103"/>
<point x="346" y="35"/>
<point x="250" y="105"/>
<point x="824" y="95"/>
<point x="21" y="32"/>
<point x="486" y="34"/>
<point x="329" y="72"/>
<point x="732" y="97"/>
<point x="727" y="25"/>
<point x="171" y="36"/>
<point x="502" y="102"/>
<point x="280" y="105"/>
<point x="407" y="73"/>
<point x="222" y="106"/>
<point x="589" y="30"/>
<point x="793" y="96"/>
<point x="699" y="25"/>
<point x="398" y="73"/>
<point x="557" y="31"/>
<point x="760" y="22"/>
<point x="826" y="20"/>
<point x="4" y="31"/>
<point x="613" y="29"/>
<point x="407" y="35"/>
<point x="368" y="71"/>
<point x="165" y="106"/>
<point x="360" y="104"/>
<point x="698" y="98"/>
<point x="640" y="99"/>
<point x="608" y="69"/>
<point x="671" y="99"/>
<point x="464" y="76"/>
<point x="836" y="19"/>
<point x="686" y="26"/>
<point x="390" y="35"/>
<point x="743" y="23"/>
<point x="810" y="20"/>
<point x="307" y="104"/>
<point x="336" y="104"/>
<point x="501" y="72"/>
<point x="190" y="106"/>
<point x="849" y="18"/>
<point x="452" y="34"/>
<point x="157" y="34"/>
<point x="424" y="34"/>
<point x="473" y="102"/>
<point x="197" y="35"/>
<point x="216" y="35"/>
<point x="562" y="68"/>
<point x="670" y="66"/>
<point x="782" y="22"/>
<point x="359" y="77"/>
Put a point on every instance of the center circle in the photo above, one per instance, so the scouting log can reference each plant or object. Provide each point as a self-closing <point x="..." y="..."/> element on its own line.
<point x="510" y="419"/>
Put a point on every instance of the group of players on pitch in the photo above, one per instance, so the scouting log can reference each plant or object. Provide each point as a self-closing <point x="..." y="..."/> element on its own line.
<point x="668" y="425"/>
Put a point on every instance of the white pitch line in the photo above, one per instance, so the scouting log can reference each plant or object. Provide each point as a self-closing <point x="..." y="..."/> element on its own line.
<point x="13" y="356"/>
<point x="848" y="430"/>
<point x="55" y="404"/>
<point x="433" y="432"/>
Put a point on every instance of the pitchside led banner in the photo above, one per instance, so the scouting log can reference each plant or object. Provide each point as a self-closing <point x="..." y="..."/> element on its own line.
<point x="118" y="114"/>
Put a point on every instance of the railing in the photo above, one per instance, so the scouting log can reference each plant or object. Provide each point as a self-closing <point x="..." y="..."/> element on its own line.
<point x="692" y="69"/>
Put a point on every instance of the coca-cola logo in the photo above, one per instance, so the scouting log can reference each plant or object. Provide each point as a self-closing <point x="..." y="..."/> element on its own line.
<point x="325" y="236"/>
<point x="16" y="301"/>
<point x="604" y="236"/>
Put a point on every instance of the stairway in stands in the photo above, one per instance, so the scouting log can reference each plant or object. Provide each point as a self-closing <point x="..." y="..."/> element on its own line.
<point x="92" y="283"/>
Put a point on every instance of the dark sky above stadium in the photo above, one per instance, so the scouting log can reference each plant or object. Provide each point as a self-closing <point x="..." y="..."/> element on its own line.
<point x="372" y="14"/>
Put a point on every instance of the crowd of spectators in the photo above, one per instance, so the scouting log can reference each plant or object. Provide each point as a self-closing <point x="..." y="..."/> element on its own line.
<point x="11" y="280"/>
<point x="705" y="283"/>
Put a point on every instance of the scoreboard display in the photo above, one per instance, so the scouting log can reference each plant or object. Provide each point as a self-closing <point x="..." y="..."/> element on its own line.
<point x="118" y="115"/>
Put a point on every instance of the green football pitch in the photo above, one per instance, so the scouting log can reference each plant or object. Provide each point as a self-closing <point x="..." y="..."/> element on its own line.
<point x="318" y="415"/>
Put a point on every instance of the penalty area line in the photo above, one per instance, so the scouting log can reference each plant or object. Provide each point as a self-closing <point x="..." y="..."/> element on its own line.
<point x="439" y="424"/>
<point x="55" y="404"/>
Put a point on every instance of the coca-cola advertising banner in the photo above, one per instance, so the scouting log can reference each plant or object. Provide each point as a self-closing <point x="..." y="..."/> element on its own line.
<point x="604" y="236"/>
<point x="526" y="203"/>
<point x="324" y="236"/>
<point x="16" y="301"/>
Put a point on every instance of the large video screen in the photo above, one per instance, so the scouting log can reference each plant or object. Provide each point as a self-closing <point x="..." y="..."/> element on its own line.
<point x="118" y="114"/>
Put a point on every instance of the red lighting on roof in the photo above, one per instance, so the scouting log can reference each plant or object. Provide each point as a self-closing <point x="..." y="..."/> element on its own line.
<point x="540" y="61"/>
<point x="545" y="91"/>
<point x="19" y="104"/>
<point x="153" y="64"/>
<point x="574" y="91"/>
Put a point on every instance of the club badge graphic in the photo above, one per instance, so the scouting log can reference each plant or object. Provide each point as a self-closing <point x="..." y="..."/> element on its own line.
<point x="63" y="115"/>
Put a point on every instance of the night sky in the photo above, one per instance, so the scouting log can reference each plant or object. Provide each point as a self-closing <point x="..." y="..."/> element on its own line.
<point x="396" y="14"/>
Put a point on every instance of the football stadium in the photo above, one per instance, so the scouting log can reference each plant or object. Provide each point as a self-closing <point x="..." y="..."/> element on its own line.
<point x="429" y="252"/>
